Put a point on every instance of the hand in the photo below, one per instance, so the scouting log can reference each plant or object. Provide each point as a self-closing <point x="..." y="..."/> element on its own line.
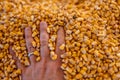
<point x="46" y="69"/>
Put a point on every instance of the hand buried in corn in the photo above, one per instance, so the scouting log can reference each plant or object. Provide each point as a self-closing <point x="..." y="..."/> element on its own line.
<point x="46" y="68"/>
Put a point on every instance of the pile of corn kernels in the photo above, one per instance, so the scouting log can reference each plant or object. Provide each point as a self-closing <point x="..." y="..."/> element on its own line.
<point x="92" y="36"/>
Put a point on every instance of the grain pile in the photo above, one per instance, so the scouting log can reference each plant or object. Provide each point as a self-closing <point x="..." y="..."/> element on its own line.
<point x="92" y="36"/>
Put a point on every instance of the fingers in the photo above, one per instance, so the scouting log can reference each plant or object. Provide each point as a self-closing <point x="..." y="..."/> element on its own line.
<point x="19" y="65"/>
<point x="29" y="39"/>
<point x="44" y="40"/>
<point x="60" y="41"/>
<point x="59" y="52"/>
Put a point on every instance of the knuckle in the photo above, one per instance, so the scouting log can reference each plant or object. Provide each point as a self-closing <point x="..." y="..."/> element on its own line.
<point x="44" y="43"/>
<point x="27" y="36"/>
<point x="59" y="42"/>
<point x="30" y="47"/>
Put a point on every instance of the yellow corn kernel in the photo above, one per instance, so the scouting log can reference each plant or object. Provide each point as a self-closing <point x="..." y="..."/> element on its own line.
<point x="63" y="56"/>
<point x="78" y="76"/>
<point x="83" y="50"/>
<point x="77" y="32"/>
<point x="69" y="70"/>
<point x="38" y="59"/>
<point x="53" y="37"/>
<point x="63" y="66"/>
<point x="111" y="71"/>
<point x="27" y="63"/>
<point x="80" y="64"/>
<point x="72" y="61"/>
<point x="48" y="30"/>
<point x="51" y="47"/>
<point x="78" y="44"/>
<point x="54" y="57"/>
<point x="118" y="54"/>
<point x="118" y="64"/>
<point x="1" y="46"/>
<point x="92" y="79"/>
<point x="0" y="34"/>
<point x="34" y="44"/>
<point x="96" y="53"/>
<point x="18" y="48"/>
<point x="9" y="69"/>
<point x="83" y="72"/>
<point x="52" y="52"/>
<point x="18" y="71"/>
<point x="84" y="68"/>
<point x="84" y="57"/>
<point x="20" y="56"/>
<point x="105" y="75"/>
<point x="36" y="39"/>
<point x="1" y="55"/>
<point x="36" y="53"/>
<point x="74" y="54"/>
<point x="34" y="34"/>
<point x="68" y="31"/>
<point x="99" y="69"/>
<point x="12" y="62"/>
<point x="62" y="47"/>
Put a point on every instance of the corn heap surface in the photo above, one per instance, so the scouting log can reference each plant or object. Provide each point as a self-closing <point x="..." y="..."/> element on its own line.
<point x="92" y="36"/>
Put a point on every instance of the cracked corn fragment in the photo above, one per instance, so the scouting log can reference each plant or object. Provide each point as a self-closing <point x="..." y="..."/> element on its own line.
<point x="36" y="53"/>
<point x="78" y="76"/>
<point x="62" y="47"/>
<point x="34" y="44"/>
<point x="53" y="55"/>
<point x="68" y="69"/>
<point x="83" y="50"/>
<point x="38" y="58"/>
<point x="1" y="55"/>
<point x="1" y="46"/>
<point x="63" y="66"/>
<point x="118" y="54"/>
<point x="118" y="64"/>
<point x="18" y="71"/>
<point x="53" y="37"/>
<point x="34" y="34"/>
<point x="48" y="30"/>
<point x="26" y="62"/>
<point x="68" y="31"/>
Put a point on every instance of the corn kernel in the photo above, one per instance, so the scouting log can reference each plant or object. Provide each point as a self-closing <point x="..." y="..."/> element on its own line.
<point x="34" y="44"/>
<point x="54" y="57"/>
<point x="83" y="50"/>
<point x="38" y="59"/>
<point x="18" y="71"/>
<point x="36" y="53"/>
<point x="34" y="34"/>
<point x="118" y="54"/>
<point x="48" y="29"/>
<point x="62" y="47"/>
<point x="78" y="76"/>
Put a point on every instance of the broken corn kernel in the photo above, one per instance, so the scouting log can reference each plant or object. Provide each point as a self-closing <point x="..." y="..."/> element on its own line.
<point x="54" y="57"/>
<point x="62" y="47"/>
<point x="34" y="44"/>
<point x="38" y="59"/>
<point x="36" y="53"/>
